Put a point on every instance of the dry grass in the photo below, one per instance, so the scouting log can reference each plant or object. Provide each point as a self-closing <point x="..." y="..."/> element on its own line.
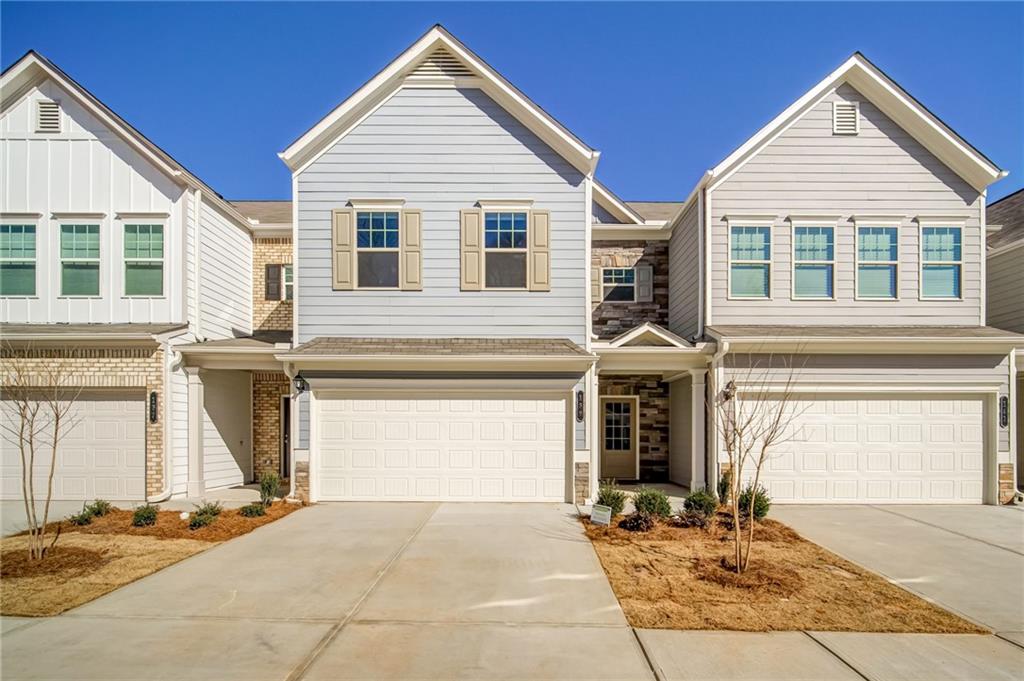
<point x="678" y="578"/>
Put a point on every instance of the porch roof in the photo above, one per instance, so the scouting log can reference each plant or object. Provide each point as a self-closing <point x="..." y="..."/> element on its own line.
<point x="84" y="332"/>
<point x="867" y="339"/>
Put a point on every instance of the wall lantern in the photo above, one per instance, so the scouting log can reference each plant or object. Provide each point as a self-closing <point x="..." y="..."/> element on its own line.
<point x="581" y="406"/>
<point x="152" y="407"/>
<point x="300" y="385"/>
<point x="1004" y="411"/>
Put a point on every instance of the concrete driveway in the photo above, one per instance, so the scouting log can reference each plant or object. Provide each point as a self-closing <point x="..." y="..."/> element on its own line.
<point x="356" y="591"/>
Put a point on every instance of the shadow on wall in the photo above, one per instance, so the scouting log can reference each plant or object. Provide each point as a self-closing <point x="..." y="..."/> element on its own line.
<point x="227" y="437"/>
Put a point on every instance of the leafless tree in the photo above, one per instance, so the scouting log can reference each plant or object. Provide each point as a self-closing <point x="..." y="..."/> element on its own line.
<point x="38" y="401"/>
<point x="754" y="413"/>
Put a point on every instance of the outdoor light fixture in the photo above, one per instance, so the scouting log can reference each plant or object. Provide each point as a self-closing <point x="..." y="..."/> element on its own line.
<point x="729" y="392"/>
<point x="300" y="385"/>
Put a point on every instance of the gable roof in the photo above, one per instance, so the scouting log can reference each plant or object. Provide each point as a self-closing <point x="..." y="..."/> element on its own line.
<point x="33" y="68"/>
<point x="1008" y="213"/>
<point x="266" y="211"/>
<point x="649" y="334"/>
<point x="438" y="59"/>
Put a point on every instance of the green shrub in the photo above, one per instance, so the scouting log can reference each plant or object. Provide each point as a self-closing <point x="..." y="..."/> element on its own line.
<point x="608" y="495"/>
<point x="99" y="508"/>
<point x="210" y="508"/>
<point x="145" y="515"/>
<point x="653" y="502"/>
<point x="253" y="510"/>
<point x="724" y="483"/>
<point x="762" y="502"/>
<point x="83" y="518"/>
<point x="701" y="501"/>
<point x="637" y="522"/>
<point x="198" y="520"/>
<point x="270" y="488"/>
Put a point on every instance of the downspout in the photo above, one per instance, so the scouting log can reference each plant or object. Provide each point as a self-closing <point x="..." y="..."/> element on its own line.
<point x="711" y="434"/>
<point x="197" y="260"/>
<point x="169" y="367"/>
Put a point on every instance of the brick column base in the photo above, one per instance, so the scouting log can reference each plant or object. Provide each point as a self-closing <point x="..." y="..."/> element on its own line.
<point x="1007" y="488"/>
<point x="581" y="481"/>
<point x="302" y="481"/>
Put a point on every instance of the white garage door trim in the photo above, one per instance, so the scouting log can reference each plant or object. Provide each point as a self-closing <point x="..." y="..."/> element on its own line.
<point x="318" y="398"/>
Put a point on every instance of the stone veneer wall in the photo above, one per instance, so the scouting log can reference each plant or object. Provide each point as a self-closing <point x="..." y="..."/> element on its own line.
<point x="653" y="420"/>
<point x="612" y="319"/>
<point x="1007" y="487"/>
<point x="267" y="389"/>
<point x="581" y="481"/>
<point x="123" y="367"/>
<point x="269" y="315"/>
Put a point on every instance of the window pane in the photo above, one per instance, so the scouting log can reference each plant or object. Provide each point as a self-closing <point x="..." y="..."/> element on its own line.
<point x="377" y="229"/>
<point x="17" y="279"/>
<point x="813" y="243"/>
<point x="749" y="281"/>
<point x="18" y="241"/>
<point x="941" y="244"/>
<point x="877" y="243"/>
<point x="940" y="281"/>
<point x="80" y="241"/>
<point x="378" y="270"/>
<point x="80" y="279"/>
<point x="751" y="243"/>
<point x="505" y="230"/>
<point x="812" y="281"/>
<point x="143" y="278"/>
<point x="619" y="293"/>
<point x="876" y="281"/>
<point x="506" y="270"/>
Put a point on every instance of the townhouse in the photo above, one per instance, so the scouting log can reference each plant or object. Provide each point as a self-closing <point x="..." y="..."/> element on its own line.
<point x="452" y="307"/>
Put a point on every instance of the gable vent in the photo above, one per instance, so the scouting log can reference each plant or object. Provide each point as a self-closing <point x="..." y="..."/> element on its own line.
<point x="47" y="116"/>
<point x="845" y="118"/>
<point x="441" y="63"/>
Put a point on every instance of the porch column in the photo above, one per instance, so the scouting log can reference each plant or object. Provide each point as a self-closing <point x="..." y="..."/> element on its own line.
<point x="195" y="487"/>
<point x="698" y="414"/>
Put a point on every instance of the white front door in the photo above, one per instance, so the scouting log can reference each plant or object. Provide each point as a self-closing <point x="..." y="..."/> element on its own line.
<point x="881" y="449"/>
<point x="426" y="449"/>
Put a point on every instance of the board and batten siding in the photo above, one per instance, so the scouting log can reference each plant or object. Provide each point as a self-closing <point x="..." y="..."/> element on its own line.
<point x="85" y="169"/>
<point x="441" y="150"/>
<point x="225" y="266"/>
<point x="684" y="274"/>
<point x="1005" y="296"/>
<point x="882" y="170"/>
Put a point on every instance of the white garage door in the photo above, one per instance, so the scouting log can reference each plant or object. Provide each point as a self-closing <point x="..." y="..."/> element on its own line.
<point x="882" y="449"/>
<point x="102" y="457"/>
<point x="442" y="449"/>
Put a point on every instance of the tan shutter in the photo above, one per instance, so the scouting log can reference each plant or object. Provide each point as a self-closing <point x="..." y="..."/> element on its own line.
<point x="471" y="260"/>
<point x="644" y="283"/>
<point x="411" y="251"/>
<point x="343" y="250"/>
<point x="540" y="251"/>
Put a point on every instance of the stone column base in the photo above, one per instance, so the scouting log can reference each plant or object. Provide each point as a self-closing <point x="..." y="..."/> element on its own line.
<point x="581" y="481"/>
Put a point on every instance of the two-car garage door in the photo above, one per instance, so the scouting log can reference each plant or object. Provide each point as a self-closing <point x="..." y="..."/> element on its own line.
<point x="897" y="448"/>
<point x="439" y="448"/>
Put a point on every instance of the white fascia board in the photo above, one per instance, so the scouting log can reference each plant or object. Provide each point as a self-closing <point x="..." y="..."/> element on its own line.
<point x="691" y="197"/>
<point x="873" y="346"/>
<point x="614" y="205"/>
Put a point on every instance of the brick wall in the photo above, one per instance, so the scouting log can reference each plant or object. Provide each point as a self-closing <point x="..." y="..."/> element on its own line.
<point x="653" y="420"/>
<point x="269" y="315"/>
<point x="612" y="319"/>
<point x="125" y="367"/>
<point x="1007" y="488"/>
<point x="267" y="389"/>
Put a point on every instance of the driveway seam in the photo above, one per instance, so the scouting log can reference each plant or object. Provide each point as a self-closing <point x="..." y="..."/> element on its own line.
<point x="505" y="623"/>
<point x="836" y="655"/>
<point x="946" y="529"/>
<point x="999" y="635"/>
<point x="647" y="656"/>
<point x="300" y="670"/>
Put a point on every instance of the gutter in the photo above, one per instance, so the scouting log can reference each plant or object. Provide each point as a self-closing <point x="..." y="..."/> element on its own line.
<point x="164" y="340"/>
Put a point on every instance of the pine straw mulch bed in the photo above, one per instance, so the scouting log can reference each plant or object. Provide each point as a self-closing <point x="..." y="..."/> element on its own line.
<point x="675" y="578"/>
<point x="91" y="560"/>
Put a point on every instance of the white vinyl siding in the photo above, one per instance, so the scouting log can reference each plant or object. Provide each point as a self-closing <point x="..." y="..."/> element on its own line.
<point x="1005" y="299"/>
<point x="225" y="275"/>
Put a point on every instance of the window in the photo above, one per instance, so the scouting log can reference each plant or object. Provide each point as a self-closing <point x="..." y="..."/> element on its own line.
<point x="289" y="283"/>
<point x="80" y="260"/>
<point x="877" y="262"/>
<point x="143" y="260"/>
<point x="941" y="262"/>
<point x="813" y="262"/>
<point x="618" y="426"/>
<point x="377" y="246"/>
<point x="750" y="254"/>
<point x="618" y="284"/>
<point x="505" y="249"/>
<point x="17" y="260"/>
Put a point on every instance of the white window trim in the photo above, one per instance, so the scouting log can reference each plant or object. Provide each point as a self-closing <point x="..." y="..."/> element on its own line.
<point x="10" y="219"/>
<point x="794" y="223"/>
<point x="751" y="221"/>
<point x="505" y="208"/>
<point x="897" y="225"/>
<point x="84" y="219"/>
<point x="125" y="260"/>
<point x="923" y="224"/>
<point x="285" y="283"/>
<point x="617" y="302"/>
<point x="369" y="208"/>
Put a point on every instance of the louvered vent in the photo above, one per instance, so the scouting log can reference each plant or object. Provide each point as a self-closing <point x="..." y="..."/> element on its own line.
<point x="441" y="63"/>
<point x="47" y="116"/>
<point x="845" y="118"/>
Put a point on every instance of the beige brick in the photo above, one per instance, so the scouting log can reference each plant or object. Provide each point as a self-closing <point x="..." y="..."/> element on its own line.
<point x="269" y="315"/>
<point x="267" y="389"/>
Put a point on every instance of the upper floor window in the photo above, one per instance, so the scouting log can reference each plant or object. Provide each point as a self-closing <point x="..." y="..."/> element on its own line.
<point x="877" y="262"/>
<point x="17" y="260"/>
<point x="750" y="255"/>
<point x="79" y="260"/>
<point x="505" y="249"/>
<point x="143" y="260"/>
<point x="941" y="262"/>
<point x="618" y="284"/>
<point x="377" y="249"/>
<point x="813" y="262"/>
<point x="278" y="282"/>
<point x="289" y="283"/>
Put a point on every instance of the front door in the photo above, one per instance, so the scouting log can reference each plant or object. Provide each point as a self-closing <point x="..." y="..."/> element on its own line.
<point x="618" y="438"/>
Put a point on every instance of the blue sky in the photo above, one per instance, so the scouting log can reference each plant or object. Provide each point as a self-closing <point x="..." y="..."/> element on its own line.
<point x="664" y="90"/>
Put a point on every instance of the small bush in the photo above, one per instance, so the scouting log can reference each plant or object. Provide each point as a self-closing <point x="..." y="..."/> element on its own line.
<point x="83" y="518"/>
<point x="145" y="515"/>
<point x="270" y="488"/>
<point x="200" y="520"/>
<point x="724" y="483"/>
<point x="653" y="502"/>
<point x="637" y="522"/>
<point x="99" y="508"/>
<point x="762" y="502"/>
<point x="608" y="495"/>
<point x="701" y="501"/>
<point x="253" y="510"/>
<point x="210" y="508"/>
<point x="693" y="519"/>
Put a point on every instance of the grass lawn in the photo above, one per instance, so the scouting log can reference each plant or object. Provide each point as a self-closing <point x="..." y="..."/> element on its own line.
<point x="94" y="559"/>
<point x="673" y="578"/>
